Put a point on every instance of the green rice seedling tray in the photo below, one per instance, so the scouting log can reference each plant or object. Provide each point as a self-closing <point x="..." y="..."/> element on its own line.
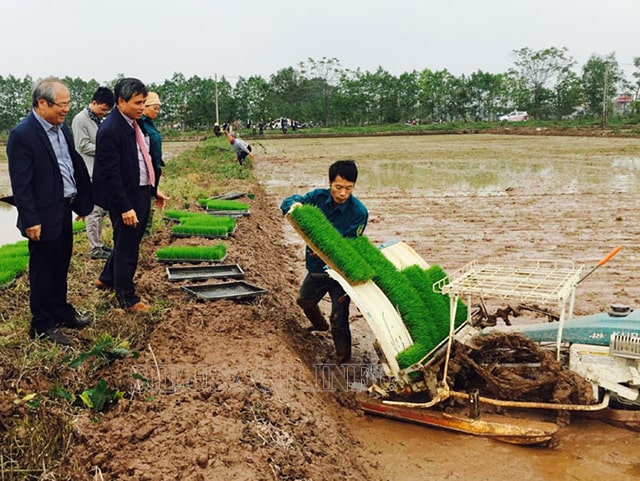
<point x="201" y="273"/>
<point x="7" y="284"/>
<point x="224" y="290"/>
<point x="179" y="260"/>
<point x="206" y="236"/>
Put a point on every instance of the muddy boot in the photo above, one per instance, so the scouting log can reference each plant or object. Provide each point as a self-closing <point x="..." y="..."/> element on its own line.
<point x="313" y="313"/>
<point x="343" y="354"/>
<point x="342" y="343"/>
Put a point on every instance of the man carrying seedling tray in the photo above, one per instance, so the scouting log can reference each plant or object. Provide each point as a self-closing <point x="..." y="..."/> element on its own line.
<point x="349" y="216"/>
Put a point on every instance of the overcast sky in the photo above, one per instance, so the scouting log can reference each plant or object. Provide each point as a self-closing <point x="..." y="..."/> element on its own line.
<point x="152" y="39"/>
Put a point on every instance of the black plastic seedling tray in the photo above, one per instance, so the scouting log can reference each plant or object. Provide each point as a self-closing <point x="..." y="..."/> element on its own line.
<point x="224" y="290"/>
<point x="229" y="196"/>
<point x="200" y="273"/>
<point x="230" y="213"/>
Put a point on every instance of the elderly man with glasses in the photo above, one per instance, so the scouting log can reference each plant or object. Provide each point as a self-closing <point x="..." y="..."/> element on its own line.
<point x="49" y="179"/>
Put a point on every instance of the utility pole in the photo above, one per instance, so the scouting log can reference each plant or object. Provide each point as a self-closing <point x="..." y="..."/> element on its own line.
<point x="605" y="95"/>
<point x="217" y="113"/>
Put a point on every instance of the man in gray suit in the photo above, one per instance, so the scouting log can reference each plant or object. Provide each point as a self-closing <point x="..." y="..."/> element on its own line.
<point x="85" y="127"/>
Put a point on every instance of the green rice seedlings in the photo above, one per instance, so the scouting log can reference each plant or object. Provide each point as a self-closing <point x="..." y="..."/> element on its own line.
<point x="200" y="230"/>
<point x="437" y="304"/>
<point x="229" y="223"/>
<point x="205" y="225"/>
<point x="6" y="277"/>
<point x="195" y="253"/>
<point x="222" y="204"/>
<point x="407" y="300"/>
<point x="179" y="214"/>
<point x="78" y="226"/>
<point x="14" y="260"/>
<point x="315" y="226"/>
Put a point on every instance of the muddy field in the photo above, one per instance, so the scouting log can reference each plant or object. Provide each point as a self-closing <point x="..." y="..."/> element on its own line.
<point x="239" y="396"/>
<point x="496" y="199"/>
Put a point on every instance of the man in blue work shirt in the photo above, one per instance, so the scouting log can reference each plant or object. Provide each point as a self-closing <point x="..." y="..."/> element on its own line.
<point x="349" y="216"/>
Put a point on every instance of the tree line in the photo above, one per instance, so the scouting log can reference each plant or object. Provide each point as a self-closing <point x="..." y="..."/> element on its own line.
<point x="543" y="82"/>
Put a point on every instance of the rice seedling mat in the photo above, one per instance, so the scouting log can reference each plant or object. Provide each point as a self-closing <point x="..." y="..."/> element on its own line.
<point x="206" y="236"/>
<point x="180" y="260"/>
<point x="224" y="290"/>
<point x="315" y="248"/>
<point x="7" y="284"/>
<point x="200" y="273"/>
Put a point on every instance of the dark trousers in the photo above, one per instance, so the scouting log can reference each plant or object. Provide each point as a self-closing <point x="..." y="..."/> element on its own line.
<point x="48" y="268"/>
<point x="123" y="261"/>
<point x="313" y="289"/>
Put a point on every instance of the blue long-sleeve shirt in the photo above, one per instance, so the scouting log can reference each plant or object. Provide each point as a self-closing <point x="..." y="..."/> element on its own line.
<point x="349" y="218"/>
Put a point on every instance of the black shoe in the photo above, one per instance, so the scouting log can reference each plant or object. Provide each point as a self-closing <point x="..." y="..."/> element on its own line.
<point x="76" y="322"/>
<point x="317" y="329"/>
<point x="101" y="254"/>
<point x="52" y="334"/>
<point x="344" y="359"/>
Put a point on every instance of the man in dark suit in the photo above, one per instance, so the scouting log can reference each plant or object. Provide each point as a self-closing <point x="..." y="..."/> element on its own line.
<point x="124" y="182"/>
<point x="49" y="179"/>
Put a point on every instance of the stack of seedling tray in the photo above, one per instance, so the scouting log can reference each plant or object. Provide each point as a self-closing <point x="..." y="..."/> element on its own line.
<point x="236" y="289"/>
<point x="203" y="273"/>
<point x="229" y="196"/>
<point x="224" y="207"/>
<point x="192" y="224"/>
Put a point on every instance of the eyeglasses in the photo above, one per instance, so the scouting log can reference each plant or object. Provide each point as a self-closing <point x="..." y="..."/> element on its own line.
<point x="62" y="105"/>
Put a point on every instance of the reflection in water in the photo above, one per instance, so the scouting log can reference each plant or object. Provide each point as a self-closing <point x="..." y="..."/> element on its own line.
<point x="627" y="163"/>
<point x="8" y="231"/>
<point x="464" y="166"/>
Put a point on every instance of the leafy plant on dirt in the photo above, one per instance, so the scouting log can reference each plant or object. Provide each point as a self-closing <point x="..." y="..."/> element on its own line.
<point x="100" y="396"/>
<point x="105" y="350"/>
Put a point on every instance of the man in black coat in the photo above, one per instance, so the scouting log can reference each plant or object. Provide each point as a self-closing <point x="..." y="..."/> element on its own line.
<point x="49" y="179"/>
<point x="124" y="182"/>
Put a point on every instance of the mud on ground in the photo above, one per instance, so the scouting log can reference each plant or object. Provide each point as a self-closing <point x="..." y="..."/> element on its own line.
<point x="238" y="396"/>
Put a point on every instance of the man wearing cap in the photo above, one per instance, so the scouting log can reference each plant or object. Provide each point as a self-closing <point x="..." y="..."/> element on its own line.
<point x="85" y="127"/>
<point x="240" y="147"/>
<point x="151" y="110"/>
